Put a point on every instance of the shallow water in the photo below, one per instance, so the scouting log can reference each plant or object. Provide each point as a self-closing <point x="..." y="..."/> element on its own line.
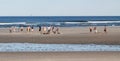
<point x="30" y="47"/>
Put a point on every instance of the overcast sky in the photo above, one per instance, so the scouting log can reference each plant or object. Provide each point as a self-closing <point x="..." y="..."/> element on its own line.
<point x="60" y="7"/>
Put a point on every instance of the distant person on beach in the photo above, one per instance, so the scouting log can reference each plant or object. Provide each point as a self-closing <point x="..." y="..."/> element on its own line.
<point x="32" y="28"/>
<point x="21" y="29"/>
<point x="44" y="30"/>
<point x="52" y="29"/>
<point x="14" y="29"/>
<point x="90" y="28"/>
<point x="10" y="29"/>
<point x="95" y="29"/>
<point x="28" y="29"/>
<point x="17" y="29"/>
<point x="57" y="30"/>
<point x="49" y="29"/>
<point x="39" y="28"/>
<point x="105" y="29"/>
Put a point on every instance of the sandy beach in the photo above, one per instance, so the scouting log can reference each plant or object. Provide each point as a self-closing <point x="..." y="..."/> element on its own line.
<point x="61" y="56"/>
<point x="69" y="35"/>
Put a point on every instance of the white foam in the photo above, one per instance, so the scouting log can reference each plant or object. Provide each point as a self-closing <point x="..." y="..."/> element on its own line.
<point x="14" y="23"/>
<point x="29" y="47"/>
<point x="103" y="21"/>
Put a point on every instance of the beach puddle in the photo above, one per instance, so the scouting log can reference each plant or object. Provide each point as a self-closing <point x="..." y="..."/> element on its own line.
<point x="30" y="47"/>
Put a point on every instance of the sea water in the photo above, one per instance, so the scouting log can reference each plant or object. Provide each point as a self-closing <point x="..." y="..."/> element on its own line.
<point x="63" y="21"/>
<point x="31" y="47"/>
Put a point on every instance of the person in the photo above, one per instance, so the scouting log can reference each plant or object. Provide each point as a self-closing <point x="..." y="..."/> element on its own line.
<point x="105" y="29"/>
<point x="21" y="29"/>
<point x="49" y="29"/>
<point x="95" y="29"/>
<point x="90" y="28"/>
<point x="39" y="28"/>
<point x="14" y="29"/>
<point x="52" y="29"/>
<point x="10" y="29"/>
<point x="44" y="30"/>
<point x="57" y="30"/>
<point x="32" y="28"/>
<point x="28" y="29"/>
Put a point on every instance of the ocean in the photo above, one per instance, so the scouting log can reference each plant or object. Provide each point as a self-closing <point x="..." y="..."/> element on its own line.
<point x="62" y="21"/>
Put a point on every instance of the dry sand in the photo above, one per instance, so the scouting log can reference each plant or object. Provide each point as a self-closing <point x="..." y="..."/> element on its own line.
<point x="61" y="56"/>
<point x="69" y="35"/>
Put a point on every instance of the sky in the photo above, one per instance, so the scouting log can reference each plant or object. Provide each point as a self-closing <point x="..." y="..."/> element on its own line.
<point x="59" y="8"/>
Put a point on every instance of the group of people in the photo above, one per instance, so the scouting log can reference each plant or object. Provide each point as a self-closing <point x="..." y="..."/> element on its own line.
<point x="95" y="29"/>
<point x="42" y="29"/>
<point x="49" y="29"/>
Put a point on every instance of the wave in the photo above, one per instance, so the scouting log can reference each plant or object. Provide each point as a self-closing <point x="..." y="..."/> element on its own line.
<point x="13" y="23"/>
<point x="103" y="21"/>
<point x="63" y="24"/>
<point x="57" y="23"/>
<point x="92" y="22"/>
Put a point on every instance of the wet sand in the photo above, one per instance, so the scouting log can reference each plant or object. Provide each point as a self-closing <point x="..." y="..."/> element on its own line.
<point x="61" y="56"/>
<point x="69" y="35"/>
